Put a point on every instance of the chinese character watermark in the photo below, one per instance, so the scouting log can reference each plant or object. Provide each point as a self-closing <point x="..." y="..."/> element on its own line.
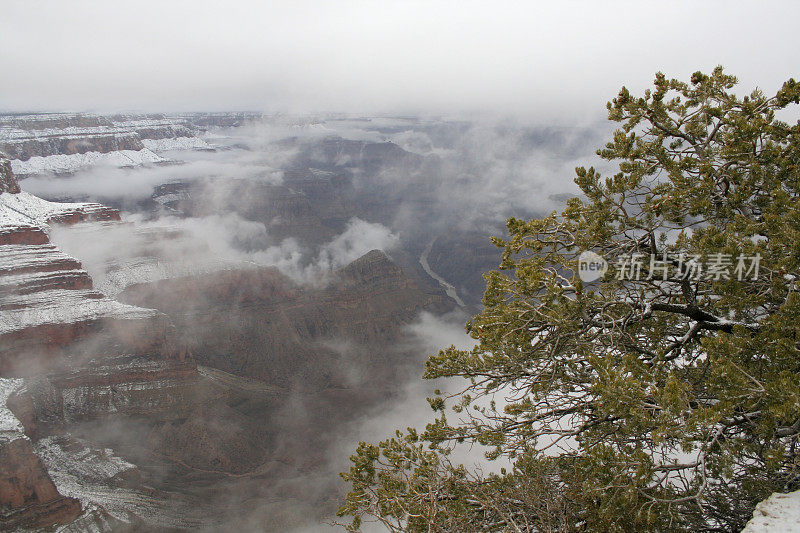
<point x="635" y="267"/>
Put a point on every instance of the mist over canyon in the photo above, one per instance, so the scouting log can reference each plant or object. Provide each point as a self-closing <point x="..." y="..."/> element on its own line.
<point x="243" y="299"/>
<point x="234" y="237"/>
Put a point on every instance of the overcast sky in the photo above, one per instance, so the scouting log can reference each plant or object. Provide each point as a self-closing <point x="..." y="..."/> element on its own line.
<point x="547" y="60"/>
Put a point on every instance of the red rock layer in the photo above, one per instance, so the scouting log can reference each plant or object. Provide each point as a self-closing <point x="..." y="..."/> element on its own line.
<point x="86" y="213"/>
<point x="28" y="497"/>
<point x="23" y="235"/>
<point x="7" y="181"/>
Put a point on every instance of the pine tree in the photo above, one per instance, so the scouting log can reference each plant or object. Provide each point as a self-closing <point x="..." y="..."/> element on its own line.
<point x="663" y="395"/>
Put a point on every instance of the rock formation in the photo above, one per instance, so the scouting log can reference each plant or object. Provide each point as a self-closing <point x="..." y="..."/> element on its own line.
<point x="47" y="299"/>
<point x="64" y="143"/>
<point x="28" y="497"/>
<point x="85" y="355"/>
<point x="26" y="136"/>
<point x="8" y="182"/>
<point x="257" y="323"/>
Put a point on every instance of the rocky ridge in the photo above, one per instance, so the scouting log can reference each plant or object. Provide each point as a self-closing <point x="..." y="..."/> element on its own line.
<point x="257" y="323"/>
<point x="64" y="142"/>
<point x="28" y="496"/>
<point x="84" y="355"/>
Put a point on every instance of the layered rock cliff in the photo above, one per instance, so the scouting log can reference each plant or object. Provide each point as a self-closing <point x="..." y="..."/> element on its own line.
<point x="7" y="181"/>
<point x="63" y="143"/>
<point x="23" y="217"/>
<point x="28" y="496"/>
<point x="82" y="354"/>
<point x="50" y="310"/>
<point x="26" y="136"/>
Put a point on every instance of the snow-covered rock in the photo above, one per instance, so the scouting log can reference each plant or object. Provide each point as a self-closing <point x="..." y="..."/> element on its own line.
<point x="25" y="208"/>
<point x="10" y="427"/>
<point x="179" y="143"/>
<point x="61" y="163"/>
<point x="64" y="306"/>
<point x="63" y="143"/>
<point x="780" y="513"/>
<point x="46" y="297"/>
<point x="28" y="497"/>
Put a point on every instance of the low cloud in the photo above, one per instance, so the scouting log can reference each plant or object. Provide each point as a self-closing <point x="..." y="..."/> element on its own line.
<point x="130" y="185"/>
<point x="141" y="250"/>
<point x="358" y="238"/>
<point x="483" y="173"/>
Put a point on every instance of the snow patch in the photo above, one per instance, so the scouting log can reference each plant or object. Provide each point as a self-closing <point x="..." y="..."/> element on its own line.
<point x="179" y="143"/>
<point x="69" y="163"/>
<point x="24" y="209"/>
<point x="10" y="426"/>
<point x="94" y="476"/>
<point x="63" y="306"/>
<point x="23" y="259"/>
<point x="779" y="512"/>
<point x="79" y="465"/>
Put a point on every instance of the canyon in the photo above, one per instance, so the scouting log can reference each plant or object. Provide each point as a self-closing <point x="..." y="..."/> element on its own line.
<point x="198" y="309"/>
<point x="189" y="377"/>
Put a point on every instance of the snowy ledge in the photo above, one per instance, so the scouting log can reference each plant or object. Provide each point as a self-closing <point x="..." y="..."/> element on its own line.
<point x="178" y="143"/>
<point x="24" y="209"/>
<point x="778" y="513"/>
<point x="10" y="427"/>
<point x="70" y="163"/>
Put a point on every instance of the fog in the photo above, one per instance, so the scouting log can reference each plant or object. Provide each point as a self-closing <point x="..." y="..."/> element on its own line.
<point x="135" y="184"/>
<point x="550" y="61"/>
<point x="493" y="104"/>
<point x="475" y="172"/>
<point x="484" y="172"/>
<point x="117" y="256"/>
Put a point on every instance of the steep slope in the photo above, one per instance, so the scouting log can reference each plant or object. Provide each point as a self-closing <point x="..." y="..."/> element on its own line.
<point x="259" y="324"/>
<point x="28" y="496"/>
<point x="47" y="299"/>
<point x="83" y="354"/>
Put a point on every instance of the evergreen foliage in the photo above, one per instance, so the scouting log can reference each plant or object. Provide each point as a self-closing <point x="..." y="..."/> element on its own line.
<point x="667" y="401"/>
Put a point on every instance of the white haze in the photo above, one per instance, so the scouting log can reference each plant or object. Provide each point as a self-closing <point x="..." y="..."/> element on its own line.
<point x="141" y="250"/>
<point x="426" y="335"/>
<point x="134" y="184"/>
<point x="552" y="61"/>
<point x="358" y="238"/>
<point x="489" y="171"/>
